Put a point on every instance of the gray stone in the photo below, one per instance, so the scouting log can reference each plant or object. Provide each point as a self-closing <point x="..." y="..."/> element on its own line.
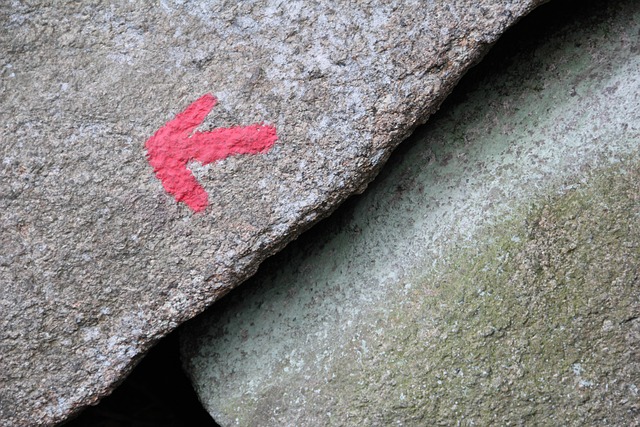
<point x="97" y="260"/>
<point x="487" y="277"/>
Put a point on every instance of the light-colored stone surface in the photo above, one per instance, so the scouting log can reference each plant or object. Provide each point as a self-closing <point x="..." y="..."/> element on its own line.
<point x="487" y="277"/>
<point x="96" y="260"/>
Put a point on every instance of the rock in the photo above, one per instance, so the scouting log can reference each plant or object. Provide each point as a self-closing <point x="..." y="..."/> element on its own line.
<point x="98" y="261"/>
<point x="487" y="277"/>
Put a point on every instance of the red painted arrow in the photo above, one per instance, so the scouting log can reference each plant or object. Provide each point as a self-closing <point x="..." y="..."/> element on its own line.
<point x="176" y="143"/>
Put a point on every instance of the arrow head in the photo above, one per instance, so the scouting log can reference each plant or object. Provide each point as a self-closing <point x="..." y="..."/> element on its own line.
<point x="177" y="143"/>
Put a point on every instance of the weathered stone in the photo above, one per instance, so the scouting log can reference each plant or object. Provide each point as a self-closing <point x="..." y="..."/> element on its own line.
<point x="487" y="277"/>
<point x="97" y="260"/>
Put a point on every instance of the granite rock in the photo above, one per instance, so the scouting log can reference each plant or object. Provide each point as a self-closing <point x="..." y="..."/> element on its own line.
<point x="97" y="261"/>
<point x="487" y="277"/>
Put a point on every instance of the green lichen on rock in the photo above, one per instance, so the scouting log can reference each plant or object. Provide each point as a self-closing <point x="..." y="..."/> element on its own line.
<point x="539" y="324"/>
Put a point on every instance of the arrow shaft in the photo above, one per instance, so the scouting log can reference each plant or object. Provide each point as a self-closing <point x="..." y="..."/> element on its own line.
<point x="218" y="144"/>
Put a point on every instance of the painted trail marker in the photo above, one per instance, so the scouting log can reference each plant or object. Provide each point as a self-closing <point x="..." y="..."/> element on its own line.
<point x="177" y="143"/>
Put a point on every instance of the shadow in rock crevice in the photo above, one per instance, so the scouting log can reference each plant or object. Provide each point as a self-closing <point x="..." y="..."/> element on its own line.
<point x="157" y="393"/>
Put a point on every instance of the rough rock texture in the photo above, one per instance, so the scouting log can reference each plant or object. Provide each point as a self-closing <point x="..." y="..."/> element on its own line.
<point x="488" y="277"/>
<point x="97" y="261"/>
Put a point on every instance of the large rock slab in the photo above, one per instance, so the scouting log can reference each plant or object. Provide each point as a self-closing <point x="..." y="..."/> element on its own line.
<point x="487" y="277"/>
<point x="98" y="261"/>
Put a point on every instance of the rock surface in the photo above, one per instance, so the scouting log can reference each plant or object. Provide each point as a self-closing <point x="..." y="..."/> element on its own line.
<point x="487" y="277"/>
<point x="97" y="261"/>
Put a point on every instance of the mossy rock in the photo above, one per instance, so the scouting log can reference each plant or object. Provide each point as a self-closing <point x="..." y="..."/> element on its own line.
<point x="540" y="326"/>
